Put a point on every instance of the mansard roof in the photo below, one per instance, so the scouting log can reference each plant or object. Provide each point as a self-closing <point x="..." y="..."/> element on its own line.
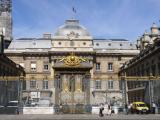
<point x="98" y="44"/>
<point x="113" y="44"/>
<point x="25" y="43"/>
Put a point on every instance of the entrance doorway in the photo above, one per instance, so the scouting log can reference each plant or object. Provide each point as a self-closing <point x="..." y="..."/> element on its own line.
<point x="73" y="91"/>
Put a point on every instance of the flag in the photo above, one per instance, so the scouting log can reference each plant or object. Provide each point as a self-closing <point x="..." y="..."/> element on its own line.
<point x="74" y="10"/>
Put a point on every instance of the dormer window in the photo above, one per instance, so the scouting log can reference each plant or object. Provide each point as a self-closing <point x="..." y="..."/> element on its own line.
<point x="109" y="44"/>
<point x="84" y="43"/>
<point x="34" y="43"/>
<point x="97" y="44"/>
<point x="59" y="43"/>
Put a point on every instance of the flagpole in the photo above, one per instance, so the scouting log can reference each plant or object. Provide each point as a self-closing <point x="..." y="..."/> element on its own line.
<point x="73" y="10"/>
<point x="73" y="13"/>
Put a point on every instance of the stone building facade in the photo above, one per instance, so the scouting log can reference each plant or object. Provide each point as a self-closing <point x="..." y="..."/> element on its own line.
<point x="10" y="77"/>
<point x="71" y="67"/>
<point x="145" y="69"/>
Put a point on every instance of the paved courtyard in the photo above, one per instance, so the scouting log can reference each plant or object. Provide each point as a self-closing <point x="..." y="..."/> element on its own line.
<point x="80" y="117"/>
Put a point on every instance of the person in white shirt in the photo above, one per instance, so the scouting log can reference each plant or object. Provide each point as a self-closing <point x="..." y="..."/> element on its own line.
<point x="129" y="107"/>
<point x="153" y="107"/>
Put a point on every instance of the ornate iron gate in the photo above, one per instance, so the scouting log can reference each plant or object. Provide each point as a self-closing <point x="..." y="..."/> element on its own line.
<point x="73" y="95"/>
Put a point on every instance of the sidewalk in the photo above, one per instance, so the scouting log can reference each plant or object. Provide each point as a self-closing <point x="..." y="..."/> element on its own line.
<point x="80" y="117"/>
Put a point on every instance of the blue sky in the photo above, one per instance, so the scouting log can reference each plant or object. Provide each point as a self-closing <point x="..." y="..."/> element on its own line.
<point x="108" y="19"/>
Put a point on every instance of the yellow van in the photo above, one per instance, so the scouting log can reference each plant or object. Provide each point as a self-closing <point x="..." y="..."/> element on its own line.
<point x="139" y="107"/>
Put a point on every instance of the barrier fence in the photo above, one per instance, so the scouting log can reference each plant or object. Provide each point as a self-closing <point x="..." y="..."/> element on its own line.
<point x="128" y="78"/>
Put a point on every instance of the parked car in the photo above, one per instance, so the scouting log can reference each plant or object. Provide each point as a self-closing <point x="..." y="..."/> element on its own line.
<point x="2" y="109"/>
<point x="12" y="107"/>
<point x="139" y="107"/>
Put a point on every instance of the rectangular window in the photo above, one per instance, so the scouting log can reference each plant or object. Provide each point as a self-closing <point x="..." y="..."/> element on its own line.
<point x="33" y="84"/>
<point x="45" y="84"/>
<point x="98" y="66"/>
<point x="97" y="84"/>
<point x="110" y="66"/>
<point x="119" y="58"/>
<point x="46" y="68"/>
<point x="33" y="66"/>
<point x="110" y="84"/>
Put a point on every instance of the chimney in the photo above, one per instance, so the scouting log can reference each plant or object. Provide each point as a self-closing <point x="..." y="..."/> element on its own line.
<point x="47" y="35"/>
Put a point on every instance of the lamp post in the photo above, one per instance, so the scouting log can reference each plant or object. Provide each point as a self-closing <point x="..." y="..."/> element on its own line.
<point x="106" y="95"/>
<point x="19" y="83"/>
<point x="87" y="88"/>
<point x="37" y="92"/>
<point x="20" y="91"/>
<point x="6" y="90"/>
<point x="124" y="91"/>
<point x="1" y="41"/>
<point x="151" y="91"/>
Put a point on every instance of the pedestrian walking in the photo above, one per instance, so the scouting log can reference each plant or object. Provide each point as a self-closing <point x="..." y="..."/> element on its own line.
<point x="109" y="110"/>
<point x="101" y="110"/>
<point x="129" y="108"/>
<point x="126" y="109"/>
<point x="106" y="108"/>
<point x="153" y="107"/>
<point x="60" y="109"/>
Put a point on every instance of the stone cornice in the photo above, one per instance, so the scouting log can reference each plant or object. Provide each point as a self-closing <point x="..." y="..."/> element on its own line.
<point x="150" y="51"/>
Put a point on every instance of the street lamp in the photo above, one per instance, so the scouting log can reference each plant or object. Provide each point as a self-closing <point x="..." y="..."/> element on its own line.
<point x="6" y="90"/>
<point x="151" y="92"/>
<point x="87" y="89"/>
<point x="21" y="78"/>
<point x="124" y="91"/>
<point x="106" y="94"/>
<point x="2" y="41"/>
<point x="37" y="92"/>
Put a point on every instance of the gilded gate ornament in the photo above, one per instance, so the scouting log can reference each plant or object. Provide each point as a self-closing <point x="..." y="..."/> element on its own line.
<point x="73" y="60"/>
<point x="65" y="86"/>
<point x="78" y="87"/>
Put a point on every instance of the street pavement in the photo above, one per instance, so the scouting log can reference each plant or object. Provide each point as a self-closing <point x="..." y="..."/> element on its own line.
<point x="81" y="117"/>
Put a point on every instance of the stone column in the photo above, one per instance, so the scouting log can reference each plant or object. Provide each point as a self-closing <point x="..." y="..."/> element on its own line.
<point x="87" y="87"/>
<point x="52" y="81"/>
<point x="57" y="90"/>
